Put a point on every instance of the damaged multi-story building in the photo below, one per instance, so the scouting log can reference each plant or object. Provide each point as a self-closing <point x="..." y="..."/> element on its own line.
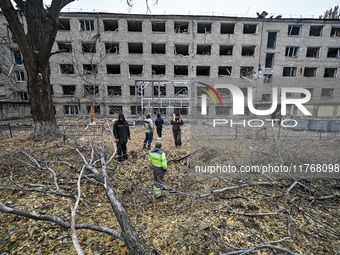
<point x="110" y="63"/>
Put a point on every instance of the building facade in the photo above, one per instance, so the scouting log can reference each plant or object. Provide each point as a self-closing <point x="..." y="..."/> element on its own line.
<point x="100" y="56"/>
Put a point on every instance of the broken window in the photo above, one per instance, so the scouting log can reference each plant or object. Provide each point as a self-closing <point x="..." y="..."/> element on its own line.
<point x="181" y="111"/>
<point x="88" y="47"/>
<point x="115" y="109"/>
<point x="110" y="25"/>
<point x="17" y="59"/>
<point x="249" y="28"/>
<point x="11" y="35"/>
<point x="313" y="52"/>
<point x="223" y="92"/>
<point x="335" y="31"/>
<point x="66" y="69"/>
<point x="181" y="91"/>
<point x="292" y="51"/>
<point x="265" y="97"/>
<point x="133" y="90"/>
<point x="161" y="90"/>
<point x="269" y="60"/>
<point x="331" y="72"/>
<point x="267" y="78"/>
<point x="327" y="92"/>
<point x="113" y="69"/>
<point x="93" y="109"/>
<point x="136" y="69"/>
<point x="293" y="30"/>
<point x="333" y="53"/>
<point x="310" y="72"/>
<point x="89" y="69"/>
<point x="224" y="70"/>
<point x="64" y="24"/>
<point x="22" y="96"/>
<point x="114" y="90"/>
<point x="65" y="46"/>
<point x="91" y="90"/>
<point x="68" y="90"/>
<point x="248" y="50"/>
<point x="315" y="30"/>
<point x="161" y="111"/>
<point x="19" y="76"/>
<point x="181" y="70"/>
<point x="202" y="70"/>
<point x="157" y="26"/>
<point x="136" y="109"/>
<point x="203" y="49"/>
<point x="226" y="50"/>
<point x="271" y="43"/>
<point x="86" y="25"/>
<point x="289" y="72"/>
<point x="182" y="49"/>
<point x="181" y="27"/>
<point x="112" y="48"/>
<point x="70" y="109"/>
<point x="227" y="28"/>
<point x="158" y="69"/>
<point x="134" y="26"/>
<point x="157" y="48"/>
<point x="247" y="71"/>
<point x="204" y="28"/>
<point x="135" y="48"/>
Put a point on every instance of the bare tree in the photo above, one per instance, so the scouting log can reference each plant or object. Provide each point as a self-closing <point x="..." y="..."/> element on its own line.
<point x="332" y="13"/>
<point x="35" y="26"/>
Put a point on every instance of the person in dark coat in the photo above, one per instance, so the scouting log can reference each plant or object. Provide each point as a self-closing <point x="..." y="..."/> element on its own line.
<point x="177" y="123"/>
<point x="121" y="132"/>
<point x="159" y="124"/>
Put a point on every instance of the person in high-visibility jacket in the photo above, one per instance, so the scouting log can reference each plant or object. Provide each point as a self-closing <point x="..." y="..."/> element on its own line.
<point x="159" y="166"/>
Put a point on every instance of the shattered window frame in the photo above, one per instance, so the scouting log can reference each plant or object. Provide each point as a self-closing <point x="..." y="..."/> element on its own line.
<point x="225" y="71"/>
<point x="158" y="69"/>
<point x="158" y="48"/>
<point x="158" y="26"/>
<point x="112" y="48"/>
<point x="88" y="47"/>
<point x="294" y="30"/>
<point x="292" y="51"/>
<point x="181" y="49"/>
<point x="89" y="69"/>
<point x="331" y="72"/>
<point x="335" y="31"/>
<point x="160" y="89"/>
<point x="181" y="91"/>
<point x="203" y="49"/>
<point x="250" y="28"/>
<point x="17" y="57"/>
<point x="226" y="50"/>
<point x="271" y="42"/>
<point x="110" y="25"/>
<point x="316" y="30"/>
<point x="68" y="90"/>
<point x="181" y="70"/>
<point x="310" y="72"/>
<point x="70" y="109"/>
<point x="115" y="109"/>
<point x="247" y="71"/>
<point x="289" y="71"/>
<point x="114" y="90"/>
<point x="64" y="24"/>
<point x="313" y="52"/>
<point x="86" y="25"/>
<point x="96" y="109"/>
<point x="19" y="76"/>
<point x="113" y="69"/>
<point x="333" y="52"/>
<point x="203" y="70"/>
<point x="91" y="90"/>
<point x="227" y="28"/>
<point x="67" y="46"/>
<point x="270" y="57"/>
<point x="181" y="27"/>
<point x="327" y="92"/>
<point x="135" y="25"/>
<point x="207" y="26"/>
<point x="248" y="51"/>
<point x="267" y="78"/>
<point x="136" y="70"/>
<point x="66" y="69"/>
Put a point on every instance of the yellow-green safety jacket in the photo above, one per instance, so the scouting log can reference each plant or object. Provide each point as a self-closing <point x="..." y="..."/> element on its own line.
<point x="157" y="159"/>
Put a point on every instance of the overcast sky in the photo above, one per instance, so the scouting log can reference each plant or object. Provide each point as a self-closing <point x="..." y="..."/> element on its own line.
<point x="288" y="8"/>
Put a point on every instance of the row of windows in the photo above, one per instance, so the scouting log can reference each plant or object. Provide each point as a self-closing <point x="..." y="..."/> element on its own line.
<point x="184" y="27"/>
<point x="201" y="49"/>
<point x="183" y="70"/>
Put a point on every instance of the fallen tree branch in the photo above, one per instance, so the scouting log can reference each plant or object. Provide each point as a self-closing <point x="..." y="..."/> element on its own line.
<point x="58" y="221"/>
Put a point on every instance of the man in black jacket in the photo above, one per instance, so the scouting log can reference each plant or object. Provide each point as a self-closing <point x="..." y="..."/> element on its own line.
<point x="121" y="131"/>
<point x="177" y="123"/>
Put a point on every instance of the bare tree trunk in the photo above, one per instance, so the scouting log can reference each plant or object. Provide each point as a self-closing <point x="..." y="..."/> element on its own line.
<point x="40" y="98"/>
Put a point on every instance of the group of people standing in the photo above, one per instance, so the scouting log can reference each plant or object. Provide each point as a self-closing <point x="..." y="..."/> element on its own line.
<point x="157" y="157"/>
